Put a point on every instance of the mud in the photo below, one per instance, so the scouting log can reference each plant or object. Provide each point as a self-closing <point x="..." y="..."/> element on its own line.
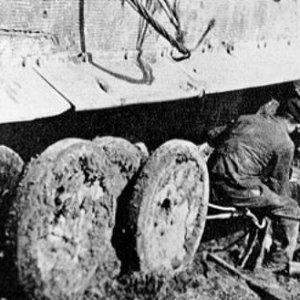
<point x="63" y="218"/>
<point x="168" y="207"/>
<point x="10" y="173"/>
<point x="203" y="279"/>
<point x="152" y="124"/>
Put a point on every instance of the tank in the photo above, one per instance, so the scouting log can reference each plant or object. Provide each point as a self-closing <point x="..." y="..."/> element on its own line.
<point x="103" y="104"/>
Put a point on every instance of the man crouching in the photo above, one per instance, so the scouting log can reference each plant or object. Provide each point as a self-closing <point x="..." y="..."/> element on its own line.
<point x="250" y="168"/>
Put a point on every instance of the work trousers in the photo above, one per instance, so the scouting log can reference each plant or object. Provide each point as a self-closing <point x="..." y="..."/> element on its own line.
<point x="267" y="203"/>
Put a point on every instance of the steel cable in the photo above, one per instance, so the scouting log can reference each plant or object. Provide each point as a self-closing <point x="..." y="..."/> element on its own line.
<point x="144" y="12"/>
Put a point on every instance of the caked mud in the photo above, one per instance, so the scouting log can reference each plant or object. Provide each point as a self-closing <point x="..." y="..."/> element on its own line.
<point x="62" y="220"/>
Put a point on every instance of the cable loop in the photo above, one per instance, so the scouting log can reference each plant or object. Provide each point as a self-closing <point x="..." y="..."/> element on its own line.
<point x="144" y="12"/>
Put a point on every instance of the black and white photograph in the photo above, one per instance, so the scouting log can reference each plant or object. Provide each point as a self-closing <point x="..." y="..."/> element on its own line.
<point x="149" y="149"/>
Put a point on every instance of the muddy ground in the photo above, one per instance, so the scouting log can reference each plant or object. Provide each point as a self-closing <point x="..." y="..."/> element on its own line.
<point x="154" y="124"/>
<point x="206" y="280"/>
<point x="203" y="280"/>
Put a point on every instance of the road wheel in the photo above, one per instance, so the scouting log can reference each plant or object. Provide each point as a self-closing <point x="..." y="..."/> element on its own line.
<point x="169" y="207"/>
<point x="11" y="168"/>
<point x="55" y="148"/>
<point x="66" y="206"/>
<point x="125" y="148"/>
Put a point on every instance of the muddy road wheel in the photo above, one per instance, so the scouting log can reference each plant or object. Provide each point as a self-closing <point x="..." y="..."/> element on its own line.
<point x="170" y="205"/>
<point x="124" y="147"/>
<point x="11" y="168"/>
<point x="66" y="207"/>
<point x="59" y="146"/>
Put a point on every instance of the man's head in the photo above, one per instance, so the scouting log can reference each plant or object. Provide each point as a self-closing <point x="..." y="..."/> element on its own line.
<point x="292" y="114"/>
<point x="288" y="95"/>
<point x="292" y="110"/>
<point x="289" y="109"/>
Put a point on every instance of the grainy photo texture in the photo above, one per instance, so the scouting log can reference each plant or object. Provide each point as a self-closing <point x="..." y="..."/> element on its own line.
<point x="149" y="149"/>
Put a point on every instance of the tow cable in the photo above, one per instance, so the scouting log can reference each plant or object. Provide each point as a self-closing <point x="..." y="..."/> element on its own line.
<point x="176" y="42"/>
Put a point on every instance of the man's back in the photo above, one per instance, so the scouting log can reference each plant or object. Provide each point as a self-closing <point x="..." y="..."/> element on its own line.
<point x="254" y="146"/>
<point x="250" y="169"/>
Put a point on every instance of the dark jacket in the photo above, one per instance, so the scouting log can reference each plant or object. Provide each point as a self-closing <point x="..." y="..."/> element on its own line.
<point x="258" y="149"/>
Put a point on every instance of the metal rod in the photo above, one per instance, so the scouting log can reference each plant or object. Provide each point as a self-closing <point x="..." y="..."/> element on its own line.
<point x="288" y="217"/>
<point x="261" y="289"/>
<point x="222" y="208"/>
<point x="223" y="216"/>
